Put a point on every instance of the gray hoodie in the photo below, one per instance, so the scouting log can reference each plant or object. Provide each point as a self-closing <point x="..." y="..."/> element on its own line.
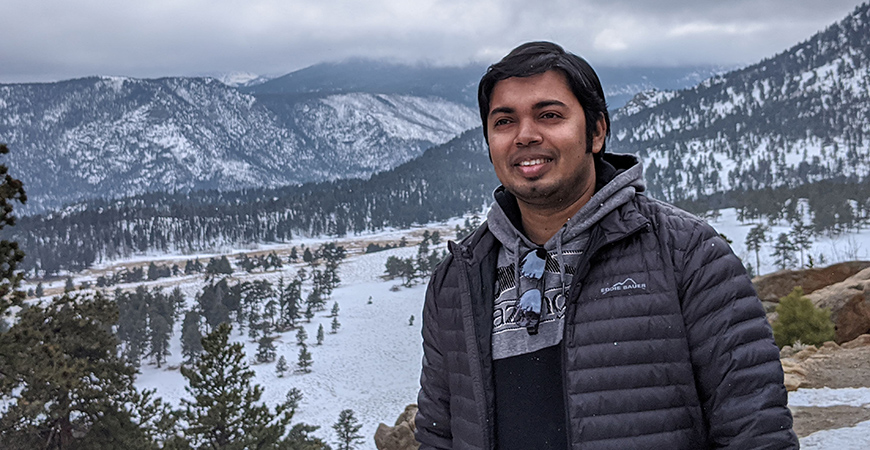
<point x="524" y="321"/>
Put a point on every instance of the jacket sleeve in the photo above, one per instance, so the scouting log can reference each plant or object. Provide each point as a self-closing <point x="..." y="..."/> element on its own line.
<point x="737" y="368"/>
<point x="433" y="402"/>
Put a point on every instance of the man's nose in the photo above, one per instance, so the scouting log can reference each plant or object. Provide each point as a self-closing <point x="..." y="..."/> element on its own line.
<point x="527" y="134"/>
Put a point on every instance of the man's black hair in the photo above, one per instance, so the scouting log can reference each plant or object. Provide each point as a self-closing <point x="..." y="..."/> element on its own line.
<point x="533" y="58"/>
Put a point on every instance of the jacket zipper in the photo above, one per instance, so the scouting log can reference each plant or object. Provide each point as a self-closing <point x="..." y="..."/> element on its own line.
<point x="482" y="412"/>
<point x="572" y="301"/>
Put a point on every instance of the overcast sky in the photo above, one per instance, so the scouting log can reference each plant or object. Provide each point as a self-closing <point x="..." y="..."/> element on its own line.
<point x="47" y="40"/>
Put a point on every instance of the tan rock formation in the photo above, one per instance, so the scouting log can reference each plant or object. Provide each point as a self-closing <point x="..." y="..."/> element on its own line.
<point x="810" y="350"/>
<point x="776" y="285"/>
<point x="400" y="436"/>
<point x="860" y="341"/>
<point x="795" y="375"/>
<point x="849" y="302"/>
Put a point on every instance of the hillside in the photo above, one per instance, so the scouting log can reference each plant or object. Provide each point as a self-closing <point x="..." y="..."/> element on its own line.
<point x="796" y="118"/>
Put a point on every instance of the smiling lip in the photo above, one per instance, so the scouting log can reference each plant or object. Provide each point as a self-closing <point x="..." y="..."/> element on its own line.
<point x="533" y="162"/>
<point x="534" y="167"/>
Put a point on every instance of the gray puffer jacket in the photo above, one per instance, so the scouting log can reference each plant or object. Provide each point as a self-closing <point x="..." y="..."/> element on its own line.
<point x="666" y="345"/>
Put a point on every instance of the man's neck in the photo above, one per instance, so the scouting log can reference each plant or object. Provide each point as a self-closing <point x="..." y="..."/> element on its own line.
<point x="540" y="224"/>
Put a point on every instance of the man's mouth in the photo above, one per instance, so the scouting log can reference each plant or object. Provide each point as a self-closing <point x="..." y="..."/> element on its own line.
<point x="534" y="162"/>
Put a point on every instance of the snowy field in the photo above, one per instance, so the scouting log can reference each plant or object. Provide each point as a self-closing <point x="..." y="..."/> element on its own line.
<point x="372" y="364"/>
<point x="850" y="438"/>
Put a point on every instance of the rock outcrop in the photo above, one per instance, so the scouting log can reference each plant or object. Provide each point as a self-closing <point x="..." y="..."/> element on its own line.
<point x="806" y="367"/>
<point x="401" y="435"/>
<point x="776" y="285"/>
<point x="849" y="302"/>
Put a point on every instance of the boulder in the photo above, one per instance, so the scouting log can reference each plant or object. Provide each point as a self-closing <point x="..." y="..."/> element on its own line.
<point x="772" y="287"/>
<point x="849" y="302"/>
<point x="401" y="435"/>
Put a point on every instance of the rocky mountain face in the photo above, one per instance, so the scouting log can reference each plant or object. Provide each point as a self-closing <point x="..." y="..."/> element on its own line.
<point x="113" y="137"/>
<point x="109" y="137"/>
<point x="796" y="118"/>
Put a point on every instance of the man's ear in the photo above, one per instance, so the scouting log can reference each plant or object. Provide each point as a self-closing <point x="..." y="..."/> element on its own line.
<point x="599" y="135"/>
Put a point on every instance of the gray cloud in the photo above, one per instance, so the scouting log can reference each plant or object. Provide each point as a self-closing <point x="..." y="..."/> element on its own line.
<point x="47" y="40"/>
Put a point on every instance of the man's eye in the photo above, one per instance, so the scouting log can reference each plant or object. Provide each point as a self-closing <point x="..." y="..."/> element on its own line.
<point x="549" y="115"/>
<point x="501" y="122"/>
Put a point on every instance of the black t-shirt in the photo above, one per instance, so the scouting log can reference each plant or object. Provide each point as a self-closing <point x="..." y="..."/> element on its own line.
<point x="529" y="403"/>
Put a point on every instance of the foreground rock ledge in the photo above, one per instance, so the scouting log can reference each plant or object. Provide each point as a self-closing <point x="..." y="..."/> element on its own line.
<point x="831" y="365"/>
<point x="401" y="435"/>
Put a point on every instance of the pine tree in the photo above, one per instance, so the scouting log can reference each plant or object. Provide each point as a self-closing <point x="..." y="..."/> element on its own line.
<point x="219" y="266"/>
<point x="301" y="336"/>
<point x="289" y="299"/>
<point x="132" y="326"/>
<point x="783" y="251"/>
<point x="266" y="349"/>
<point x="161" y="319"/>
<point x="69" y="286"/>
<point x="335" y="325"/>
<point x="802" y="237"/>
<point x="270" y="315"/>
<point x="11" y="190"/>
<point x="281" y="367"/>
<point x="40" y="290"/>
<point x="191" y="337"/>
<point x="754" y="239"/>
<point x="153" y="271"/>
<point x="304" y="363"/>
<point x="334" y="312"/>
<point x="320" y="334"/>
<point x="347" y="428"/>
<point x="300" y="438"/>
<point x="411" y="321"/>
<point x="799" y="319"/>
<point x="62" y="363"/>
<point x="226" y="412"/>
<point x="309" y="313"/>
<point x="160" y="333"/>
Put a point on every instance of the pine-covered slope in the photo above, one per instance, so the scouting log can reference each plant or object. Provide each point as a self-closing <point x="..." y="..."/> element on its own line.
<point x="801" y="116"/>
<point x="446" y="181"/>
<point x="114" y="137"/>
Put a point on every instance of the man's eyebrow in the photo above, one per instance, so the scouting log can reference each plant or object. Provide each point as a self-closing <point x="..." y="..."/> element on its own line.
<point x="540" y="105"/>
<point x="546" y="103"/>
<point x="501" y="110"/>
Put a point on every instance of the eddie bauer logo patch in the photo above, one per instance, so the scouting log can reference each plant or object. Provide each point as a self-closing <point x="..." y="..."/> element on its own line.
<point x="626" y="285"/>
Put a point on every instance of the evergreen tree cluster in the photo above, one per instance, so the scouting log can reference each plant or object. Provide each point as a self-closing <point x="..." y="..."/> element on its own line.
<point x="145" y="322"/>
<point x="832" y="207"/>
<point x="69" y="387"/>
<point x="419" y="267"/>
<point x="264" y="262"/>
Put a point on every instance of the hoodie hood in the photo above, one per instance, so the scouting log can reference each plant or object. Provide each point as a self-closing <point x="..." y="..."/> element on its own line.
<point x="618" y="177"/>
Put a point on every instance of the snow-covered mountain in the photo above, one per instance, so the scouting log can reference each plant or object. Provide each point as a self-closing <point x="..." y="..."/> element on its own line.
<point x="798" y="117"/>
<point x="113" y="137"/>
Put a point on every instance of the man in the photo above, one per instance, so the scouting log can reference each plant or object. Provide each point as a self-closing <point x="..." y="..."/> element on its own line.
<point x="584" y="314"/>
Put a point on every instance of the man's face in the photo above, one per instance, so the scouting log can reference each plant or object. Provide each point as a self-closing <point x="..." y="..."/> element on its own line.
<point x="537" y="141"/>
